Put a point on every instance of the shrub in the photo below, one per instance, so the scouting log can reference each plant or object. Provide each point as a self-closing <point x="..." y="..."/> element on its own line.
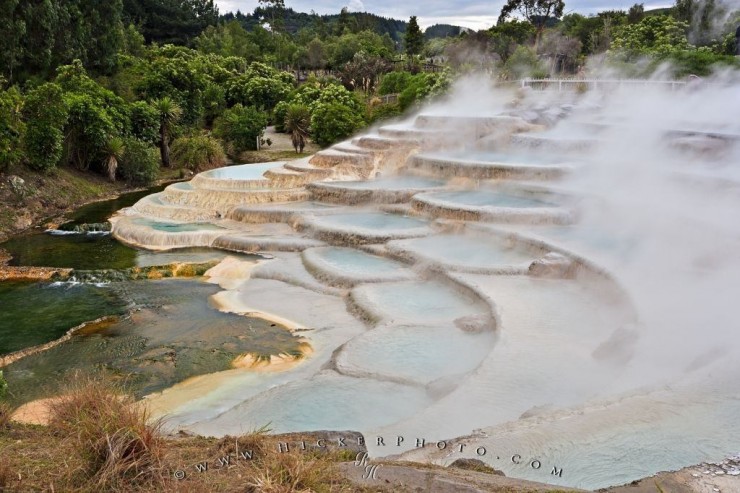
<point x="240" y="127"/>
<point x="278" y="116"/>
<point x="384" y="112"/>
<point x="139" y="163"/>
<point x="11" y="128"/>
<point x="46" y="115"/>
<point x="331" y="122"/>
<point x="144" y="122"/>
<point x="297" y="123"/>
<point x="524" y="63"/>
<point x="198" y="153"/>
<point x="394" y="83"/>
<point x="111" y="434"/>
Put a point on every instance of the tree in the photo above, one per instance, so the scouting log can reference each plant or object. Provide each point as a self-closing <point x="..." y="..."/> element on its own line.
<point x="636" y="13"/>
<point x="413" y="39"/>
<point x="198" y="153"/>
<point x="297" y="123"/>
<point x="537" y="12"/>
<point x="169" y="114"/>
<point x="138" y="164"/>
<point x="113" y="153"/>
<point x="331" y="122"/>
<point x="276" y="7"/>
<point x="658" y="35"/>
<point x="240" y="127"/>
<point x="46" y="115"/>
<point x="11" y="128"/>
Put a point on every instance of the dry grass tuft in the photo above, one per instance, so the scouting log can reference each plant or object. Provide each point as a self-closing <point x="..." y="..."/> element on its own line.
<point x="119" y="448"/>
<point x="5" y="413"/>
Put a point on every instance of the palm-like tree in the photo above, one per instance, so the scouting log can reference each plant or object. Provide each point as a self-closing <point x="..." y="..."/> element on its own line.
<point x="113" y="153"/>
<point x="169" y="114"/>
<point x="297" y="123"/>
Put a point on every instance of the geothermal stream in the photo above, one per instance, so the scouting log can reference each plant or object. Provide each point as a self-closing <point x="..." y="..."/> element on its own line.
<point x="549" y="278"/>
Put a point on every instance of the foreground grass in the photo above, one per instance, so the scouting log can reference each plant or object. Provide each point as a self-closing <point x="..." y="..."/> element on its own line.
<point x="98" y="439"/>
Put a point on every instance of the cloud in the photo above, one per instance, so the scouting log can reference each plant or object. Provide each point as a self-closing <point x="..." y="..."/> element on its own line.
<point x="356" y="6"/>
<point x="475" y="14"/>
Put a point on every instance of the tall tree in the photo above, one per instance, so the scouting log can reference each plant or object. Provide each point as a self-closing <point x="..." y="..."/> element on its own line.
<point x="538" y="12"/>
<point x="169" y="115"/>
<point x="413" y="39"/>
<point x="636" y="13"/>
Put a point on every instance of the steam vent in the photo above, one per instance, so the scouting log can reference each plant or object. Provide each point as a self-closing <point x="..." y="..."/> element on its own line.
<point x="521" y="274"/>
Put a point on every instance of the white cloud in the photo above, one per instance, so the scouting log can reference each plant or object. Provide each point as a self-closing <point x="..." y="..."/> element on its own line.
<point x="474" y="14"/>
<point x="356" y="6"/>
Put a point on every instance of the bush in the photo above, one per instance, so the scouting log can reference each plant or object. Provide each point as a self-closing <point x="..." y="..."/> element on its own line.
<point x="139" y="164"/>
<point x="524" y="63"/>
<point x="332" y="122"/>
<point x="240" y="127"/>
<point x="394" y="83"/>
<point x="144" y="122"/>
<point x="11" y="128"/>
<point x="46" y="114"/>
<point x="384" y="112"/>
<point x="198" y="153"/>
<point x="111" y="435"/>
<point x="278" y="116"/>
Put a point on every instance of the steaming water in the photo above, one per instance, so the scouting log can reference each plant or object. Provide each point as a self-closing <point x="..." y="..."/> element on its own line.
<point x="464" y="252"/>
<point x="417" y="354"/>
<point x="372" y="223"/>
<point x="415" y="302"/>
<point x="484" y="198"/>
<point x="327" y="401"/>
<point x="354" y="265"/>
<point x="463" y="157"/>
<point x="394" y="183"/>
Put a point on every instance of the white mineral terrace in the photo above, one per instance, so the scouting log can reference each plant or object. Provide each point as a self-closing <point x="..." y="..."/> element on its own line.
<point x="512" y="281"/>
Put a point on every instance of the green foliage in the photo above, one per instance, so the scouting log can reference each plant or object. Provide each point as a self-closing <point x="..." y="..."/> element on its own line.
<point x="11" y="128"/>
<point x="418" y="87"/>
<point x="144" y="119"/>
<point x="700" y="61"/>
<point x="139" y="163"/>
<point x="240" y="127"/>
<point x="394" y="83"/>
<point x="506" y="36"/>
<point x="170" y="21"/>
<point x="297" y="123"/>
<point x="524" y="63"/>
<point x="654" y="36"/>
<point x="333" y="121"/>
<point x="88" y="129"/>
<point x="384" y="112"/>
<point x="45" y="112"/>
<point x="413" y="40"/>
<point x="169" y="113"/>
<point x="198" y="153"/>
<point x="337" y="94"/>
<point x="537" y="12"/>
<point x="278" y="115"/>
<point x="38" y="35"/>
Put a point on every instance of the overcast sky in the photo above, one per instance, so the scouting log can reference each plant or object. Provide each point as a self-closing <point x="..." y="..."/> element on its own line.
<point x="475" y="14"/>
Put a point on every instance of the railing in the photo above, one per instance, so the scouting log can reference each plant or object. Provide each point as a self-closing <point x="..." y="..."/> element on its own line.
<point x="585" y="84"/>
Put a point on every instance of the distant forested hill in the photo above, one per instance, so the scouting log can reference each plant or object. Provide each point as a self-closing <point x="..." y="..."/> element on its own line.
<point x="442" y="31"/>
<point x="336" y="23"/>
